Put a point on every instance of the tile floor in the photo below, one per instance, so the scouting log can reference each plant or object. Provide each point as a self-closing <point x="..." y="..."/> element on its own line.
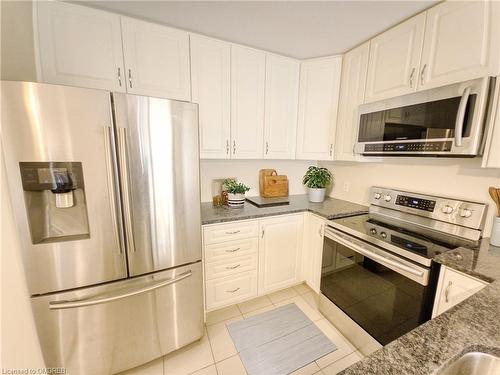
<point x="215" y="353"/>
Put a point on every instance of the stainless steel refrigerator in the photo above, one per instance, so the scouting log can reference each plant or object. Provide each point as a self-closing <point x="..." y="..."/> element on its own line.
<point x="105" y="189"/>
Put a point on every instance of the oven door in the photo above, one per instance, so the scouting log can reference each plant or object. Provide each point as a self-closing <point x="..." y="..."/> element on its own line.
<point x="384" y="294"/>
<point x="443" y="121"/>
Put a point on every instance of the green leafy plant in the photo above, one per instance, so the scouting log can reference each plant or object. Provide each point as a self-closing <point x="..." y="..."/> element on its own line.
<point x="317" y="177"/>
<point x="234" y="187"/>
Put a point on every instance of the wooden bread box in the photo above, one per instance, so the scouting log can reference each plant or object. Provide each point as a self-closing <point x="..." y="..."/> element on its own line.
<point x="271" y="184"/>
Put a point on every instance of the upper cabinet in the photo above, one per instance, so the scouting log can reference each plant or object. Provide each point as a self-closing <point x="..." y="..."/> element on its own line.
<point x="79" y="46"/>
<point x="281" y="100"/>
<point x="211" y="89"/>
<point x="248" y="69"/>
<point x="318" y="102"/>
<point x="395" y="59"/>
<point x="462" y="42"/>
<point x="352" y="93"/>
<point x="156" y="60"/>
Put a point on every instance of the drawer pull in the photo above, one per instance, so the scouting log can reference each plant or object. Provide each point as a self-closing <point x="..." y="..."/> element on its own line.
<point x="233" y="232"/>
<point x="233" y="267"/>
<point x="447" y="292"/>
<point x="233" y="250"/>
<point x="232" y="291"/>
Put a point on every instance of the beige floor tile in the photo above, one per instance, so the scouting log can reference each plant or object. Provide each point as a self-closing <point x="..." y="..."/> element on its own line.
<point x="235" y="319"/>
<point x="283" y="294"/>
<point x="231" y="366"/>
<point x="259" y="311"/>
<point x="344" y="347"/>
<point x="189" y="359"/>
<point x="220" y="341"/>
<point x="342" y="364"/>
<point x="226" y="313"/>
<point x="311" y="313"/>
<point x="311" y="298"/>
<point x="254" y="304"/>
<point x="310" y="369"/>
<point x="151" y="368"/>
<point x="210" y="370"/>
<point x="302" y="288"/>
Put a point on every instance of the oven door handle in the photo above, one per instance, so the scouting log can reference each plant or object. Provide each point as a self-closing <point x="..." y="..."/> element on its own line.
<point x="459" y="122"/>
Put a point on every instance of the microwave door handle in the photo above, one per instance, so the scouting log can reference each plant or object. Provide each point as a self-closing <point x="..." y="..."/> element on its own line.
<point x="459" y="122"/>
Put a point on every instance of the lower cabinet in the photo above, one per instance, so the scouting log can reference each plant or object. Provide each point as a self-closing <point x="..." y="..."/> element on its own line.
<point x="454" y="287"/>
<point x="312" y="250"/>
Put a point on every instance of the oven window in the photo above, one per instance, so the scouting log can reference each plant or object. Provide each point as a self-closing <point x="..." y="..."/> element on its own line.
<point x="420" y="121"/>
<point x="384" y="303"/>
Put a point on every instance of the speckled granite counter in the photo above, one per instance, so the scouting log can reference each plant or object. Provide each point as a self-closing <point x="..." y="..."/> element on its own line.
<point x="473" y="325"/>
<point x="331" y="208"/>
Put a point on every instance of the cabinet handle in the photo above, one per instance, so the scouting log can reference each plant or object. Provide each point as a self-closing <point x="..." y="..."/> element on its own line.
<point x="267" y="147"/>
<point x="233" y="291"/>
<point x="331" y="149"/>
<point x="422" y="74"/>
<point x="320" y="231"/>
<point x="233" y="232"/>
<point x="232" y="267"/>
<point x="354" y="149"/>
<point x="227" y="146"/>
<point x="447" y="292"/>
<point x="411" y="77"/>
<point x="262" y="236"/>
<point x="120" y="76"/>
<point x="130" y="78"/>
<point x="233" y="250"/>
<point x="234" y="147"/>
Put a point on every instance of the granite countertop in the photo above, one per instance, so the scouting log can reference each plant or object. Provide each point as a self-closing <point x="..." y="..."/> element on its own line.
<point x="331" y="208"/>
<point x="472" y="325"/>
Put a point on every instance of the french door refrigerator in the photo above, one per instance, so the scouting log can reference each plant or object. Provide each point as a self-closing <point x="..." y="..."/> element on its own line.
<point x="105" y="189"/>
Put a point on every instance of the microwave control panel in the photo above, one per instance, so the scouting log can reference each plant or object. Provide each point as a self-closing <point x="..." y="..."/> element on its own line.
<point x="409" y="147"/>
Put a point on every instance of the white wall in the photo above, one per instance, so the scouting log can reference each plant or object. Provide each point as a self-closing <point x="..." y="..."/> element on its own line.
<point x="247" y="171"/>
<point x="462" y="178"/>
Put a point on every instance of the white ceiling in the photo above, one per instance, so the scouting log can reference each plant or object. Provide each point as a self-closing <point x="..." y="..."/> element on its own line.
<point x="300" y="29"/>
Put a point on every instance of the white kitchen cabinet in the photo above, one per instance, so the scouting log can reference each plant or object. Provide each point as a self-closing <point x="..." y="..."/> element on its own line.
<point x="395" y="59"/>
<point x="454" y="287"/>
<point x="312" y="250"/>
<point x="156" y="60"/>
<point x="462" y="42"/>
<point x="248" y="69"/>
<point x="79" y="46"/>
<point x="491" y="156"/>
<point x="352" y="93"/>
<point x="318" y="104"/>
<point x="281" y="101"/>
<point x="211" y="89"/>
<point x="280" y="248"/>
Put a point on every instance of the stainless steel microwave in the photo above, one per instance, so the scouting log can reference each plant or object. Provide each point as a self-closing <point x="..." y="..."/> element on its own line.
<point x="445" y="121"/>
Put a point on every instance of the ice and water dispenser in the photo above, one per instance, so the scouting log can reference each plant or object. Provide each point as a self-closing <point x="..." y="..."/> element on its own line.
<point x="54" y="194"/>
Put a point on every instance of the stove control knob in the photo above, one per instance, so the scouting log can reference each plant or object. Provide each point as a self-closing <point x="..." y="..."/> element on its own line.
<point x="377" y="196"/>
<point x="373" y="231"/>
<point x="387" y="198"/>
<point x="447" y="209"/>
<point x="465" y="212"/>
<point x="383" y="234"/>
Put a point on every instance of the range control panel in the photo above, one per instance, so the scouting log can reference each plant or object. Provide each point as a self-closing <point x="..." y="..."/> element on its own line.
<point x="465" y="213"/>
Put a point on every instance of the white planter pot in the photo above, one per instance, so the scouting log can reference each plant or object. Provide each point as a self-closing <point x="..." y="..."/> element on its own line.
<point x="235" y="200"/>
<point x="316" y="195"/>
<point x="495" y="232"/>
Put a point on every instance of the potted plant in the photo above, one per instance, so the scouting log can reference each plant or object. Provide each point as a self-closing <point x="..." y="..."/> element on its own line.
<point x="316" y="180"/>
<point x="235" y="192"/>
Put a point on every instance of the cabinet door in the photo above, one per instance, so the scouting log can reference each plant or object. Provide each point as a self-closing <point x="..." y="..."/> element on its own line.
<point x="211" y="85"/>
<point x="156" y="60"/>
<point x="462" y="42"/>
<point x="394" y="60"/>
<point x="248" y="69"/>
<point x="352" y="93"/>
<point x="312" y="250"/>
<point x="491" y="157"/>
<point x="318" y="103"/>
<point x="281" y="100"/>
<point x="280" y="246"/>
<point x="79" y="46"/>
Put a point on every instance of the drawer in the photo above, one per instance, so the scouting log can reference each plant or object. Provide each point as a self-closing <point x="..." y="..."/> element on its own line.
<point x="230" y="232"/>
<point x="231" y="249"/>
<point x="231" y="266"/>
<point x="232" y="289"/>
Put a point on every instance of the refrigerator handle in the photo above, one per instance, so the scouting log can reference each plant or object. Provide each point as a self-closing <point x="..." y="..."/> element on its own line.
<point x="109" y="297"/>
<point x="112" y="185"/>
<point x="122" y="156"/>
